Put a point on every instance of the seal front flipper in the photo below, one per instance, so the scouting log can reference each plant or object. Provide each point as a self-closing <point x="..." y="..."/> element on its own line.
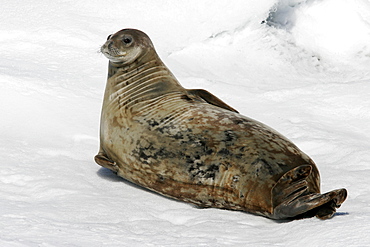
<point x="102" y="159"/>
<point x="210" y="98"/>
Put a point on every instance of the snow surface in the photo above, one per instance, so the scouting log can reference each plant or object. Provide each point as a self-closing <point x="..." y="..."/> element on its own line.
<point x="301" y="67"/>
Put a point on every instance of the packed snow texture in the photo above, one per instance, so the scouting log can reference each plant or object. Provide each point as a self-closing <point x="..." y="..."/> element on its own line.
<point x="301" y="67"/>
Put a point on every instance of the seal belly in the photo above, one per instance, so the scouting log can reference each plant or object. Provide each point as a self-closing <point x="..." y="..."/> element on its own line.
<point x="204" y="155"/>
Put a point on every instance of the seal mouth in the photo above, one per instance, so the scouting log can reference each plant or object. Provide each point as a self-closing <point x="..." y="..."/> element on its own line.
<point x="120" y="55"/>
<point x="113" y="54"/>
<point x="115" y="59"/>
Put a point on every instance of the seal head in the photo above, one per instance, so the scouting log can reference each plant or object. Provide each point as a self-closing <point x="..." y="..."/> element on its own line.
<point x="126" y="46"/>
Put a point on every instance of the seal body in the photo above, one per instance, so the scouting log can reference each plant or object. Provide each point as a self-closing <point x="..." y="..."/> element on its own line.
<point x="189" y="145"/>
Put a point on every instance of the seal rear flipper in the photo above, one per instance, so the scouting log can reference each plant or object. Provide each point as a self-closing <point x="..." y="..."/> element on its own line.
<point x="327" y="210"/>
<point x="102" y="159"/>
<point x="291" y="185"/>
<point x="210" y="98"/>
<point x="287" y="192"/>
<point x="323" y="206"/>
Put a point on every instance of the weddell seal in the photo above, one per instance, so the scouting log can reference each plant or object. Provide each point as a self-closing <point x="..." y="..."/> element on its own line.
<point x="191" y="146"/>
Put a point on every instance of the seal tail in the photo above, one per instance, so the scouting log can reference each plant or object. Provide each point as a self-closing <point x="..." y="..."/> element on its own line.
<point x="294" y="200"/>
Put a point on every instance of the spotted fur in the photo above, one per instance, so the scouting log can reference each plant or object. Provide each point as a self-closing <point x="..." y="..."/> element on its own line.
<point x="189" y="145"/>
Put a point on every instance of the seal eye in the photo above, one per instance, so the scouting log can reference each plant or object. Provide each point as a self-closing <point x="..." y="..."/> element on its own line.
<point x="127" y="40"/>
<point x="109" y="36"/>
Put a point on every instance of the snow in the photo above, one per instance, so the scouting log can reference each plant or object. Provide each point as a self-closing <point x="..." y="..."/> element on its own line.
<point x="301" y="67"/>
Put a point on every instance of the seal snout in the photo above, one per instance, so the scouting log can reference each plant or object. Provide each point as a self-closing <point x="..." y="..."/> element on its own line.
<point x="112" y="52"/>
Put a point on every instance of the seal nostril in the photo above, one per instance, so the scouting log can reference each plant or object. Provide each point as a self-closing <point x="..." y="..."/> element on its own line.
<point x="109" y="36"/>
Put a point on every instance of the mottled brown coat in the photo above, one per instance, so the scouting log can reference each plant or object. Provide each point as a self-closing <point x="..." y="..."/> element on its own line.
<point x="189" y="145"/>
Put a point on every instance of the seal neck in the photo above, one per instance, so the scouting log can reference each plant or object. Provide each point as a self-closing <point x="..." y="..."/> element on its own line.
<point x="148" y="66"/>
<point x="146" y="77"/>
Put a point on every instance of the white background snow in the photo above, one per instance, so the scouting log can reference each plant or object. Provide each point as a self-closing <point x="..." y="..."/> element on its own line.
<point x="304" y="72"/>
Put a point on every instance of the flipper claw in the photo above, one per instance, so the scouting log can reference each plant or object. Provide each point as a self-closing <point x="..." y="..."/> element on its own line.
<point x="104" y="161"/>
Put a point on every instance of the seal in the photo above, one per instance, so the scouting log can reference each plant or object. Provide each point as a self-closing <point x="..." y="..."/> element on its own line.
<point x="191" y="146"/>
